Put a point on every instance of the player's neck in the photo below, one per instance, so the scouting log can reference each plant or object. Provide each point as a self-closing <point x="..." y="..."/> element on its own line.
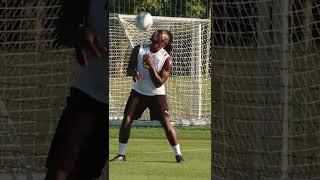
<point x="155" y="48"/>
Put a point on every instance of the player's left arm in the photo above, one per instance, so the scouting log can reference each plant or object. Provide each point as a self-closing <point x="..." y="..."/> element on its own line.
<point x="159" y="78"/>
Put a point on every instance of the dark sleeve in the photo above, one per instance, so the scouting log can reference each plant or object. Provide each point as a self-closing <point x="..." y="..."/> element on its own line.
<point x="106" y="6"/>
<point x="133" y="60"/>
<point x="71" y="22"/>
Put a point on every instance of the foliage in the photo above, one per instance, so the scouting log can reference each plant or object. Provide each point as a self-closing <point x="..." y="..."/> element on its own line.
<point x="176" y="8"/>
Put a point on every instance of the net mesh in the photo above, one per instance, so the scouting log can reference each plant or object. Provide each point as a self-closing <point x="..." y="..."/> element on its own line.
<point x="35" y="76"/>
<point x="188" y="87"/>
<point x="266" y="86"/>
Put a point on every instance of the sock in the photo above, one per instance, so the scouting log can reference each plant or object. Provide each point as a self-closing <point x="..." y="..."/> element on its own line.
<point x="122" y="148"/>
<point x="176" y="149"/>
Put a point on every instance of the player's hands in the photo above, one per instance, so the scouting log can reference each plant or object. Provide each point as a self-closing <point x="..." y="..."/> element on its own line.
<point x="137" y="76"/>
<point x="148" y="59"/>
<point x="91" y="44"/>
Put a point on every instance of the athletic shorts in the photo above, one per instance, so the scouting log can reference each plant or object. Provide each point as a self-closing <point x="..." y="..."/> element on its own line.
<point x="137" y="103"/>
<point x="80" y="144"/>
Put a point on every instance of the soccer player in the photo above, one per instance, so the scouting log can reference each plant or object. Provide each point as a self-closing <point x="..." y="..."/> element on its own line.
<point x="79" y="147"/>
<point x="150" y="66"/>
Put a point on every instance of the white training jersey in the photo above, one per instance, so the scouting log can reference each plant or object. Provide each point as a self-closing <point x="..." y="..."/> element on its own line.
<point x="91" y="79"/>
<point x="145" y="86"/>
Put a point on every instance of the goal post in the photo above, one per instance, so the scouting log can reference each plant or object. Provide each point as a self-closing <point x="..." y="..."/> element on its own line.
<point x="285" y="94"/>
<point x="196" y="69"/>
<point x="265" y="97"/>
<point x="188" y="87"/>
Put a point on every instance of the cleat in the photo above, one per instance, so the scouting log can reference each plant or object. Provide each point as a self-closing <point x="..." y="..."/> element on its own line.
<point x="179" y="158"/>
<point x="119" y="157"/>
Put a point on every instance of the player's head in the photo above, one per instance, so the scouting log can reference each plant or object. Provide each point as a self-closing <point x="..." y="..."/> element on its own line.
<point x="163" y="39"/>
<point x="169" y="38"/>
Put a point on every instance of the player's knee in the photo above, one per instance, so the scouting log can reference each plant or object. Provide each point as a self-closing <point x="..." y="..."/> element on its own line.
<point x="54" y="174"/>
<point x="166" y="122"/>
<point x="127" y="120"/>
<point x="171" y="130"/>
<point x="167" y="125"/>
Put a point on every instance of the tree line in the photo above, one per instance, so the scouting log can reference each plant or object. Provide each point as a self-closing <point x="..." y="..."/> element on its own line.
<point x="172" y="8"/>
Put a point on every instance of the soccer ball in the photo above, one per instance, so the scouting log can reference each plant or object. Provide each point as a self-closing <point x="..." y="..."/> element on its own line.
<point x="144" y="21"/>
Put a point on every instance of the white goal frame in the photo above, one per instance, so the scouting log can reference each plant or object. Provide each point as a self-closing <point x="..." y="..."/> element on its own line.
<point x="196" y="66"/>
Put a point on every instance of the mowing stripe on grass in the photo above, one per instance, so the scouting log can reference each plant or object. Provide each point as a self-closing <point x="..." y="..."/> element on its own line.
<point x="150" y="156"/>
<point x="184" y="150"/>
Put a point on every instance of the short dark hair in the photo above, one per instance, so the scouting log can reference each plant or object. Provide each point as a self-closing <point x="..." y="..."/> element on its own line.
<point x="168" y="46"/>
<point x="170" y="36"/>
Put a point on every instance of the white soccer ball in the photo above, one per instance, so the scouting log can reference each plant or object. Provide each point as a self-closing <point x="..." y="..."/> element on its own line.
<point x="144" y="21"/>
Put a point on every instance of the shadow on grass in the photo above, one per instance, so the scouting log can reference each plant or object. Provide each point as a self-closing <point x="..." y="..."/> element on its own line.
<point x="151" y="161"/>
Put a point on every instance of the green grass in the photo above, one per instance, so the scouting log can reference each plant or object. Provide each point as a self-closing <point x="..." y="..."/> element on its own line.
<point x="149" y="155"/>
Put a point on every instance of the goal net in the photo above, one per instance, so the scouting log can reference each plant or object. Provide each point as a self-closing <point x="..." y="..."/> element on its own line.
<point x="266" y="90"/>
<point x="188" y="87"/>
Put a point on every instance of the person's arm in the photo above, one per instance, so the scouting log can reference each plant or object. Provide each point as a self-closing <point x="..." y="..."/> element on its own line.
<point x="71" y="29"/>
<point x="132" y="66"/>
<point x="71" y="23"/>
<point x="159" y="78"/>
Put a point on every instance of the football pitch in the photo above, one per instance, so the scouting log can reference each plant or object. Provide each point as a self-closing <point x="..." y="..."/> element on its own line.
<point x="149" y="155"/>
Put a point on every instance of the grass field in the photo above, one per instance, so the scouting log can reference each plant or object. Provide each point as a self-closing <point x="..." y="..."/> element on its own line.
<point x="149" y="155"/>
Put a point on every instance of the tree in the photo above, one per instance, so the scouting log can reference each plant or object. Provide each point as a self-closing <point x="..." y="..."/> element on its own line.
<point x="175" y="8"/>
<point x="147" y="5"/>
<point x="197" y="8"/>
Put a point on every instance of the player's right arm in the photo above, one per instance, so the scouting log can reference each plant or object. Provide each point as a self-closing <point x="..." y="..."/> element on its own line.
<point x="71" y="30"/>
<point x="132" y="66"/>
<point x="70" y="26"/>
